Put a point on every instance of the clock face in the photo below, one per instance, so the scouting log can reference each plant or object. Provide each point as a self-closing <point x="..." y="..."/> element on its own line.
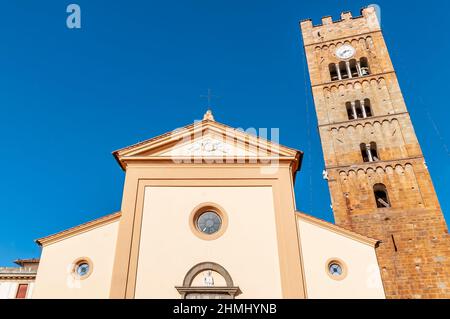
<point x="345" y="52"/>
<point x="209" y="222"/>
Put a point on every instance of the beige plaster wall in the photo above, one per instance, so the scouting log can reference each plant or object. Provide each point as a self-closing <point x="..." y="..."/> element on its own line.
<point x="247" y="250"/>
<point x="319" y="245"/>
<point x="54" y="279"/>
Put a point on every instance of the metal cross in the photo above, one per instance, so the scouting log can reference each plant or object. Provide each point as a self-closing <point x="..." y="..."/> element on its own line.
<point x="209" y="97"/>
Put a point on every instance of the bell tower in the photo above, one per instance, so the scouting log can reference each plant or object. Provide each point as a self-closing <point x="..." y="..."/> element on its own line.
<point x="378" y="179"/>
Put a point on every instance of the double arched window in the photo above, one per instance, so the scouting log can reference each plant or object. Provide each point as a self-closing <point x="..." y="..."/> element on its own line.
<point x="349" y="69"/>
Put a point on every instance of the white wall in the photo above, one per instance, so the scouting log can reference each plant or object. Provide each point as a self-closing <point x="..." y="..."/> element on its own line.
<point x="30" y="290"/>
<point x="54" y="278"/>
<point x="8" y="289"/>
<point x="319" y="245"/>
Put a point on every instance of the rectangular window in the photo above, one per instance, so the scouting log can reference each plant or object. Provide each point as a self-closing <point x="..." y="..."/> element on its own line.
<point x="22" y="291"/>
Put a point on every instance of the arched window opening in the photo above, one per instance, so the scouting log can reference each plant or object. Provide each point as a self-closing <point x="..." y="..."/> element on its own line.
<point x="359" y="111"/>
<point x="353" y="68"/>
<point x="350" y="113"/>
<point x="381" y="196"/>
<point x="364" y="153"/>
<point x="368" y="108"/>
<point x="334" y="72"/>
<point x="374" y="152"/>
<point x="364" y="67"/>
<point x="343" y="70"/>
<point x="369" y="152"/>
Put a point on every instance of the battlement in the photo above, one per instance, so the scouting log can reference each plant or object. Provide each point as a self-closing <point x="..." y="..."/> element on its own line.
<point x="346" y="26"/>
<point x="345" y="16"/>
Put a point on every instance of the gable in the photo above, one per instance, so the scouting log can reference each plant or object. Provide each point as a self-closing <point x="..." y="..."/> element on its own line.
<point x="208" y="140"/>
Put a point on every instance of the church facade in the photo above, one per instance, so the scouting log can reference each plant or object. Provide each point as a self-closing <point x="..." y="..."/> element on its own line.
<point x="208" y="211"/>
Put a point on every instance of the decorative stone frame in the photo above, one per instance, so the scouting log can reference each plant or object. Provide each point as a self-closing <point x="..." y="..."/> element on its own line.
<point x="77" y="262"/>
<point x="202" y="208"/>
<point x="187" y="289"/>
<point x="125" y="271"/>
<point x="343" y="266"/>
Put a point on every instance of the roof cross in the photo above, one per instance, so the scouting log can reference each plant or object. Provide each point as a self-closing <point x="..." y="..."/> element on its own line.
<point x="209" y="97"/>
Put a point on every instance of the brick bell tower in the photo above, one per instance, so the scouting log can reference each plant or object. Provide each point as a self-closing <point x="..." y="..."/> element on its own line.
<point x="378" y="179"/>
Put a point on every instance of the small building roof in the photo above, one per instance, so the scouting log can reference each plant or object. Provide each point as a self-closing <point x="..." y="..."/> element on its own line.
<point x="337" y="229"/>
<point x="22" y="262"/>
<point x="78" y="229"/>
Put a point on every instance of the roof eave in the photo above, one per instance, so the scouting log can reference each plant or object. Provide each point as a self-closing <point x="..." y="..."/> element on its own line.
<point x="338" y="229"/>
<point x="78" y="229"/>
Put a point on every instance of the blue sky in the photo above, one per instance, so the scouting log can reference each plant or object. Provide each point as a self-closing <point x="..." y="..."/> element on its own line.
<point x="136" y="69"/>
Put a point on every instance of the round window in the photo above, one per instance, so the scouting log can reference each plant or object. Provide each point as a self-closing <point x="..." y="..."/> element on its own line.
<point x="335" y="270"/>
<point x="209" y="222"/>
<point x="82" y="268"/>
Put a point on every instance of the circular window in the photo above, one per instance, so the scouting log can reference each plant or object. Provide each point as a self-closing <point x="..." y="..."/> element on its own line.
<point x="208" y="221"/>
<point x="82" y="268"/>
<point x="336" y="269"/>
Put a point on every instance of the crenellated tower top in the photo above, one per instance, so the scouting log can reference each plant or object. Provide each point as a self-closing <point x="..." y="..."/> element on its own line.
<point x="347" y="26"/>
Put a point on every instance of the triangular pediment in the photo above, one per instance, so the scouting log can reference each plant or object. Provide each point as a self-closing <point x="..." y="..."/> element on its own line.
<point x="208" y="145"/>
<point x="207" y="140"/>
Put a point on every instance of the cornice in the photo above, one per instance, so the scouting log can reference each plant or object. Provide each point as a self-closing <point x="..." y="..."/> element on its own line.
<point x="329" y="42"/>
<point x="367" y="120"/>
<point x="374" y="165"/>
<point x="337" y="229"/>
<point x="45" y="241"/>
<point x="354" y="80"/>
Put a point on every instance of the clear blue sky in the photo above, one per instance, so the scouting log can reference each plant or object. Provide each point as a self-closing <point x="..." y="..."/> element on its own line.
<point x="137" y="69"/>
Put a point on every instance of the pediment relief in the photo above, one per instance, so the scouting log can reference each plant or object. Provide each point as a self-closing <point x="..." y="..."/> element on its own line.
<point x="206" y="140"/>
<point x="210" y="146"/>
